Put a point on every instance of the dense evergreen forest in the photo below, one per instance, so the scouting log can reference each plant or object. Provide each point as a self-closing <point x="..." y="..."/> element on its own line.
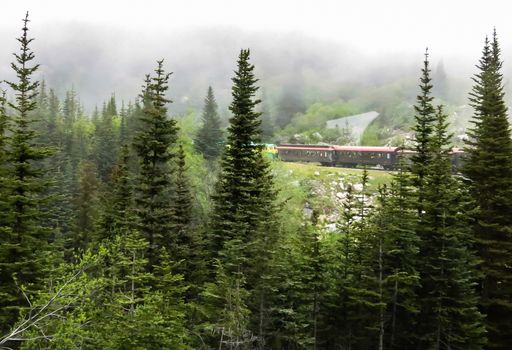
<point x="126" y="230"/>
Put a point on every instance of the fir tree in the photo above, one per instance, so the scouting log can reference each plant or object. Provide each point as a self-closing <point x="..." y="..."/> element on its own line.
<point x="24" y="237"/>
<point x="424" y="117"/>
<point x="183" y="204"/>
<point x="185" y="250"/>
<point x="3" y="130"/>
<point x="238" y="185"/>
<point x="488" y="166"/>
<point x="69" y="116"/>
<point x="105" y="149"/>
<point x="123" y="132"/>
<point x="104" y="301"/>
<point x="118" y="215"/>
<point x="85" y="207"/>
<point x="301" y="287"/>
<point x="153" y="187"/>
<point x="396" y="229"/>
<point x="243" y="203"/>
<point x="209" y="139"/>
<point x="350" y="308"/>
<point x="449" y="316"/>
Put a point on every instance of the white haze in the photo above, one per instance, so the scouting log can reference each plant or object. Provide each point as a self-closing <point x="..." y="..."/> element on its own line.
<point x="108" y="46"/>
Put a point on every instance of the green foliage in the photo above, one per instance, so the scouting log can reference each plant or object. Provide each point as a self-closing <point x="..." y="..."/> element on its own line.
<point x="423" y="129"/>
<point x="226" y="300"/>
<point x="449" y="316"/>
<point x="316" y="116"/>
<point x="300" y="288"/>
<point x="209" y="139"/>
<point x="105" y="141"/>
<point x="488" y="167"/>
<point x="23" y="191"/>
<point x="398" y="254"/>
<point x="85" y="206"/>
<point x="154" y="184"/>
<point x="118" y="213"/>
<point x="243" y="231"/>
<point x="186" y="242"/>
<point x="202" y="174"/>
<point x="373" y="135"/>
<point x="146" y="253"/>
<point x="242" y="165"/>
<point x="104" y="301"/>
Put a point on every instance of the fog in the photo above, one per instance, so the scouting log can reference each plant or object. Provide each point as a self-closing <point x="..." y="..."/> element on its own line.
<point x="102" y="48"/>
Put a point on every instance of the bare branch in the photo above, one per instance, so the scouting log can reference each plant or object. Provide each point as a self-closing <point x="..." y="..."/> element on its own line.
<point x="34" y="318"/>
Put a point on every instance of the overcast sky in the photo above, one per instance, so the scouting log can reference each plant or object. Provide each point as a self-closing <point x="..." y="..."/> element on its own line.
<point x="447" y="26"/>
<point x="80" y="41"/>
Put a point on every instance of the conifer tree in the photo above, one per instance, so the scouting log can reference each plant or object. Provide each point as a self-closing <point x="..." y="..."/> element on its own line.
<point x="24" y="237"/>
<point x="239" y="180"/>
<point x="396" y="228"/>
<point x="118" y="215"/>
<point x="350" y="307"/>
<point x="243" y="202"/>
<point x="69" y="116"/>
<point x="154" y="184"/>
<point x="54" y="124"/>
<point x="105" y="150"/>
<point x="182" y="209"/>
<point x="105" y="301"/>
<point x="3" y="130"/>
<point x="85" y="207"/>
<point x="488" y="166"/>
<point x="123" y="132"/>
<point x="424" y="117"/>
<point x="209" y="139"/>
<point x="183" y="203"/>
<point x="301" y="286"/>
<point x="449" y="317"/>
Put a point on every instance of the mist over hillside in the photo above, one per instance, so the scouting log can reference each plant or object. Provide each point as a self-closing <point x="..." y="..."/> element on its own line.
<point x="100" y="60"/>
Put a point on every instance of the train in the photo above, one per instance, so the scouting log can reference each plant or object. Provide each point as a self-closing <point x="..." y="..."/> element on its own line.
<point x="387" y="158"/>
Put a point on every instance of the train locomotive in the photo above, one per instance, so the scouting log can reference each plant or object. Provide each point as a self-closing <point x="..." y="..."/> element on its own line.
<point x="352" y="156"/>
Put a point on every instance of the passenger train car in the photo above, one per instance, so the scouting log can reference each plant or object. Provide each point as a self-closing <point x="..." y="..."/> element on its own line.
<point x="352" y="156"/>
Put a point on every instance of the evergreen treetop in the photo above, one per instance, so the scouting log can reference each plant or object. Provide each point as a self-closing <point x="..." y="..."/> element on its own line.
<point x="238" y="187"/>
<point x="209" y="139"/>
<point x="488" y="167"/>
<point x="24" y="186"/>
<point x="153" y="189"/>
<point x="449" y="316"/>
<point x="424" y="126"/>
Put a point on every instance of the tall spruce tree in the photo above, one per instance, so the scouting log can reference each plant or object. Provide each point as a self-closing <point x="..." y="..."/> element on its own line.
<point x="209" y="139"/>
<point x="300" y="289"/>
<point x="24" y="237"/>
<point x="105" y="150"/>
<point x="423" y="128"/>
<point x="85" y="207"/>
<point x="3" y="129"/>
<point x="449" y="317"/>
<point x="398" y="254"/>
<point x="243" y="202"/>
<point x="182" y="208"/>
<point x="238" y="187"/>
<point x="154" y="185"/>
<point x="488" y="166"/>
<point x="118" y="215"/>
